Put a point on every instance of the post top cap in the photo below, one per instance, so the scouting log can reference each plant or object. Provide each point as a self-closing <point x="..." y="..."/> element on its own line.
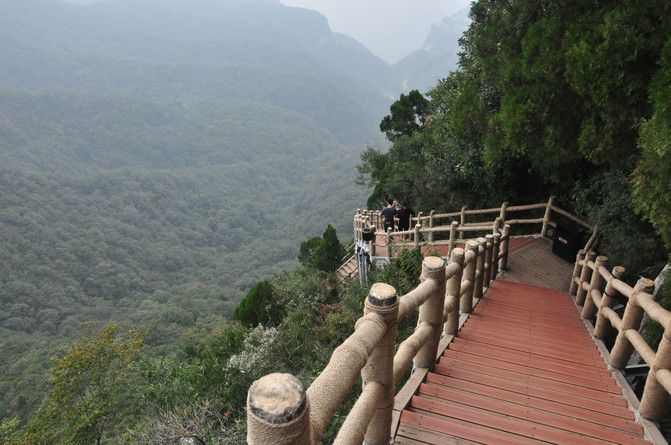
<point x="382" y="295"/>
<point x="277" y="398"/>
<point x="433" y="263"/>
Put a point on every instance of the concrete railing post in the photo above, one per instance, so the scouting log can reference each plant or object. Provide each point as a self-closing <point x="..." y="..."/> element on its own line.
<point x="489" y="249"/>
<point x="431" y="225"/>
<point x="546" y="217"/>
<point x="585" y="276"/>
<point x="608" y="299"/>
<point x="463" y="216"/>
<point x="453" y="235"/>
<point x="466" y="302"/>
<point x="655" y="399"/>
<point x="453" y="298"/>
<point x="589" y="309"/>
<point x="278" y="411"/>
<point x="382" y="300"/>
<point x="505" y="238"/>
<point x="479" y="268"/>
<point x="504" y="212"/>
<point x="633" y="315"/>
<point x="417" y="235"/>
<point x="389" y="255"/>
<point x="577" y="268"/>
<point x="431" y="312"/>
<point x="495" y="256"/>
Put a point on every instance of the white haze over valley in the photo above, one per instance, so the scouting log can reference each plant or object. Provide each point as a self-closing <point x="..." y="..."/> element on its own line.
<point x="391" y="29"/>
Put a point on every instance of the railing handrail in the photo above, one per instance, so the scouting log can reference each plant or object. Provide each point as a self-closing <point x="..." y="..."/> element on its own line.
<point x="595" y="290"/>
<point x="446" y="290"/>
<point x="421" y="235"/>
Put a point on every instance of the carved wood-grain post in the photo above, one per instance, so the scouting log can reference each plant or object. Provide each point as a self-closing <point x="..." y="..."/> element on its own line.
<point x="417" y="234"/>
<point x="589" y="309"/>
<point x="504" y="212"/>
<point x="495" y="256"/>
<point x="577" y="268"/>
<point x="379" y="369"/>
<point x="489" y="249"/>
<point x="453" y="298"/>
<point x="278" y="411"/>
<point x="389" y="243"/>
<point x="463" y="216"/>
<point x="546" y="217"/>
<point x="453" y="235"/>
<point x="633" y="315"/>
<point x="466" y="302"/>
<point x="585" y="276"/>
<point x="431" y="224"/>
<point x="608" y="299"/>
<point x="505" y="238"/>
<point x="655" y="399"/>
<point x="431" y="312"/>
<point x="479" y="268"/>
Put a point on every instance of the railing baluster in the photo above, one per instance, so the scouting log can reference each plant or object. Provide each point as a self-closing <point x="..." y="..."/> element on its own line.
<point x="505" y="238"/>
<point x="655" y="398"/>
<point x="489" y="249"/>
<point x="380" y="367"/>
<point x="575" y="279"/>
<point x="431" y="312"/>
<point x="607" y="301"/>
<point x="633" y="315"/>
<point x="468" y="282"/>
<point x="596" y="284"/>
<point x="452" y="301"/>
<point x="479" y="268"/>
<point x="585" y="276"/>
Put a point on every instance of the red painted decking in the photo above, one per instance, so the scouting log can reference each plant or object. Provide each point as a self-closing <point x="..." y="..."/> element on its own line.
<point x="523" y="369"/>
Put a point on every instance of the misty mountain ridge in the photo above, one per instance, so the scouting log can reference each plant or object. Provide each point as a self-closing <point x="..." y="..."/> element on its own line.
<point x="160" y="157"/>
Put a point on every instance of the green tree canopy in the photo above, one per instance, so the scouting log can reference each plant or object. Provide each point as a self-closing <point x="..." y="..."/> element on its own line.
<point x="408" y="114"/>
<point x="329" y="253"/>
<point x="89" y="392"/>
<point x="259" y="306"/>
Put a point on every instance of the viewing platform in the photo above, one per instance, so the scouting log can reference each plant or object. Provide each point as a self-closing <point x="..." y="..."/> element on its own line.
<point x="508" y="349"/>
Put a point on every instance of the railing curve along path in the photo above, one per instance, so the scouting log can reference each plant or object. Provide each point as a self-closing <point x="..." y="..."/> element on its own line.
<point x="522" y="368"/>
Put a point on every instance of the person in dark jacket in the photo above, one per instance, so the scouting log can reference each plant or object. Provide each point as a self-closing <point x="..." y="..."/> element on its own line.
<point x="388" y="213"/>
<point x="404" y="216"/>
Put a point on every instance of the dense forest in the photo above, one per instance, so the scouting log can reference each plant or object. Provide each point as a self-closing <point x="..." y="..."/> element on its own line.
<point x="154" y="241"/>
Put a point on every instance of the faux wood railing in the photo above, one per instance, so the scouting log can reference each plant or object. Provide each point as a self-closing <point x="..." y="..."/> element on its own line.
<point x="279" y="409"/>
<point x="596" y="290"/>
<point x="426" y="227"/>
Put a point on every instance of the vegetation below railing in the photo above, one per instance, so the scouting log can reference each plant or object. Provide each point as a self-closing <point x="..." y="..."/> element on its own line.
<point x="280" y="411"/>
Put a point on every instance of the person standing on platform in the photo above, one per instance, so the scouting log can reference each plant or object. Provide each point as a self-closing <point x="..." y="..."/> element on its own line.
<point x="404" y="216"/>
<point x="388" y="213"/>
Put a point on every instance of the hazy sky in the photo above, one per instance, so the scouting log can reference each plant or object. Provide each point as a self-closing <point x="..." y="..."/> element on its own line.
<point x="391" y="29"/>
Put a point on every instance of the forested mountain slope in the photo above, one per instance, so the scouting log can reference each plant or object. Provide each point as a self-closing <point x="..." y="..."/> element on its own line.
<point x="160" y="157"/>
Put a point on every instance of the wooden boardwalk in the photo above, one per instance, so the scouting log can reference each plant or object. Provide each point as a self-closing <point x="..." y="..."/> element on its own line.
<point x="523" y="369"/>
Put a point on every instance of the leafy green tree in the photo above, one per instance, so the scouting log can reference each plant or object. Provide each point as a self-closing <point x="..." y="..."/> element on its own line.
<point x="259" y="306"/>
<point x="90" y="389"/>
<point x="329" y="253"/>
<point x="307" y="251"/>
<point x="651" y="177"/>
<point x="408" y="114"/>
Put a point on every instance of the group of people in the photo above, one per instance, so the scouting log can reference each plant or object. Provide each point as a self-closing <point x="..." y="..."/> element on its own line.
<point x="390" y="214"/>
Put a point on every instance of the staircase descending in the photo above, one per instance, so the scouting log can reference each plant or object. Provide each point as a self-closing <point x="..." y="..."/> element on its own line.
<point x="523" y="369"/>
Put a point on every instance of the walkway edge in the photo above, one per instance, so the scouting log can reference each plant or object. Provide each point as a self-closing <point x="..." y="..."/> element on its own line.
<point x="650" y="428"/>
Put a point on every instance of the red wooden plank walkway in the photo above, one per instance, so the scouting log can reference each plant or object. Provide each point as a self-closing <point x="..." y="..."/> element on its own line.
<point x="523" y="369"/>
